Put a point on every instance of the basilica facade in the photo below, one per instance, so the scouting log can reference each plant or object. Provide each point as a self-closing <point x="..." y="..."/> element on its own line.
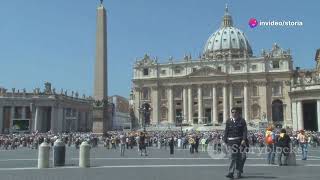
<point x="202" y="90"/>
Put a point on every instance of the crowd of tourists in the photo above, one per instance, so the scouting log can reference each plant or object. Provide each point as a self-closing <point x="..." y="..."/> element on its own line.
<point x="194" y="140"/>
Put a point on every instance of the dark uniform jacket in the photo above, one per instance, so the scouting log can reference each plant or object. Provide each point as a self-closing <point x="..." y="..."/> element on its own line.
<point x="283" y="142"/>
<point x="234" y="130"/>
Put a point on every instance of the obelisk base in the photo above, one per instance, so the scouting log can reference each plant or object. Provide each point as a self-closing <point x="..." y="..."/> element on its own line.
<point x="100" y="120"/>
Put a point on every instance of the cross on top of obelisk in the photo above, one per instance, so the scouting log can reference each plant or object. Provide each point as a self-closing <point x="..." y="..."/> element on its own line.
<point x="101" y="1"/>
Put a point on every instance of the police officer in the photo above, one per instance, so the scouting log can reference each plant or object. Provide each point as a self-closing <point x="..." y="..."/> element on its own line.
<point x="235" y="136"/>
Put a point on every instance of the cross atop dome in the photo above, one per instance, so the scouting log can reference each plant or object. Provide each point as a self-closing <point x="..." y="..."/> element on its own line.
<point x="227" y="19"/>
<point x="226" y="9"/>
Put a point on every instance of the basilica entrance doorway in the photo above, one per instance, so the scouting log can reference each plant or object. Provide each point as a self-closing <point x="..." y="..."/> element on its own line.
<point x="277" y="113"/>
<point x="207" y="119"/>
<point x="195" y="118"/>
<point x="310" y="115"/>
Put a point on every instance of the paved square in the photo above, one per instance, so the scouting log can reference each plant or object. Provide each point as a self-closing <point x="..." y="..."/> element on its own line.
<point x="21" y="164"/>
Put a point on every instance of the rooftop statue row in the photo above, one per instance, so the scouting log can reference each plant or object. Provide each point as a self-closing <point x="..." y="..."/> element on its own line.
<point x="37" y="91"/>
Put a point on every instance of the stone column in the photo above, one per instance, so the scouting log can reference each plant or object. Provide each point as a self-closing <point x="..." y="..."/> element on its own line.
<point x="246" y="103"/>
<point x="137" y="104"/>
<point x="11" y="118"/>
<point x="60" y="119"/>
<point x="225" y="104"/>
<point x="185" y="105"/>
<point x="1" y="119"/>
<point x="300" y="115"/>
<point x="23" y="112"/>
<point x="200" y="103"/>
<point x="37" y="123"/>
<point x="294" y="116"/>
<point x="190" y="105"/>
<point x="77" y="120"/>
<point x="318" y="113"/>
<point x="214" y="105"/>
<point x="230" y="99"/>
<point x="155" y="106"/>
<point x="170" y="105"/>
<point x="53" y="120"/>
<point x="284" y="106"/>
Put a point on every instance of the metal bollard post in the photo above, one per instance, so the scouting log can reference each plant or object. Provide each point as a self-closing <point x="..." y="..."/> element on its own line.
<point x="43" y="155"/>
<point x="59" y="153"/>
<point x="159" y="144"/>
<point x="84" y="155"/>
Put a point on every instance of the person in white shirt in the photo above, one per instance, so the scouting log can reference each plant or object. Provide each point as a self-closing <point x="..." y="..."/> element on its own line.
<point x="122" y="144"/>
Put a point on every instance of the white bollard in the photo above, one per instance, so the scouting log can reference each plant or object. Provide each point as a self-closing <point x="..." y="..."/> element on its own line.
<point x="43" y="155"/>
<point x="159" y="144"/>
<point x="84" y="157"/>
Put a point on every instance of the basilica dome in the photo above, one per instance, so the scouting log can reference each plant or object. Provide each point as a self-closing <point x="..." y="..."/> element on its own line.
<point x="227" y="41"/>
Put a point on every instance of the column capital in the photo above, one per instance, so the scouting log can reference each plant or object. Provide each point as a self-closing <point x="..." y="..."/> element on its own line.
<point x="245" y="83"/>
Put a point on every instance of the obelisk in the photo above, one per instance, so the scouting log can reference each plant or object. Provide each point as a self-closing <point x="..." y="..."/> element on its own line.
<point x="100" y="109"/>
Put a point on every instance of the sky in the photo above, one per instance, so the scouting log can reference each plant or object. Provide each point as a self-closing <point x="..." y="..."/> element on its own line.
<point x="54" y="41"/>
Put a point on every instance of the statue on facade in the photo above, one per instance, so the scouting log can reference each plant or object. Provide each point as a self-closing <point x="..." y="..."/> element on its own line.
<point x="77" y="94"/>
<point x="66" y="92"/>
<point x="264" y="117"/>
<point x="37" y="91"/>
<point x="13" y="90"/>
<point x="54" y="90"/>
<point x="47" y="89"/>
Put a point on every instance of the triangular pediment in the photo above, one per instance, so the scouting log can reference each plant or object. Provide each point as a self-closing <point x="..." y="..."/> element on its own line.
<point x="206" y="71"/>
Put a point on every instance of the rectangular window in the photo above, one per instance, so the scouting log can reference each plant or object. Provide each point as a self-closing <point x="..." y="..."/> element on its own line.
<point x="219" y="69"/>
<point x="18" y="112"/>
<point x="276" y="89"/>
<point x="68" y="112"/>
<point x="28" y="113"/>
<point x="178" y="93"/>
<point x="163" y="72"/>
<point x="163" y="94"/>
<point x="145" y="71"/>
<point x="237" y="91"/>
<point x="219" y="92"/>
<point x="254" y="67"/>
<point x="255" y="91"/>
<point x="194" y="69"/>
<point x="177" y="71"/>
<point x="237" y="67"/>
<point x="275" y="65"/>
